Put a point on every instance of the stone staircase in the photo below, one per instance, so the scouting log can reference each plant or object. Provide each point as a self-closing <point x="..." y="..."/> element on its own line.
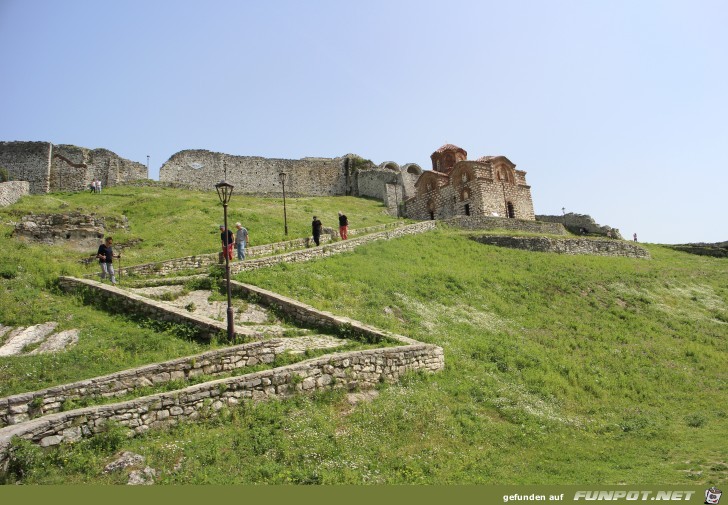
<point x="208" y="382"/>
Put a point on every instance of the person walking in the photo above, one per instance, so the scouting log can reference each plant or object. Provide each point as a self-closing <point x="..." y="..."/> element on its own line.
<point x="106" y="256"/>
<point x="343" y="226"/>
<point x="634" y="237"/>
<point x="227" y="239"/>
<point x="316" y="230"/>
<point x="241" y="240"/>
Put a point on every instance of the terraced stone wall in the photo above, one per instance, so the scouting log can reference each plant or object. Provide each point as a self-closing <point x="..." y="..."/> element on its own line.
<point x="495" y="223"/>
<point x="204" y="260"/>
<point x="119" y="300"/>
<point x="23" y="407"/>
<point x="348" y="371"/>
<point x="332" y="248"/>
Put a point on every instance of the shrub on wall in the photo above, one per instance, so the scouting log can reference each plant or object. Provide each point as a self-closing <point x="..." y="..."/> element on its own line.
<point x="4" y="177"/>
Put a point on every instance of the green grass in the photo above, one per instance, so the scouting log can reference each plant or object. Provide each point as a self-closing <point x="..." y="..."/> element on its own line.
<point x="163" y="223"/>
<point x="174" y="223"/>
<point x="559" y="370"/>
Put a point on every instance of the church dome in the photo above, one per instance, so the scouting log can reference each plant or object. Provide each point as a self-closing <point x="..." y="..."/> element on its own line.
<point x="450" y="147"/>
<point x="444" y="159"/>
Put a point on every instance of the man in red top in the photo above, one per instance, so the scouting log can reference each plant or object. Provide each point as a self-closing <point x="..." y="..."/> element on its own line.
<point x="343" y="226"/>
<point x="226" y="237"/>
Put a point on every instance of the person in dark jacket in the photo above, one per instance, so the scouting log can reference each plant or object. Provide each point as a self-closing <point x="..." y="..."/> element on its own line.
<point x="106" y="257"/>
<point x="316" y="230"/>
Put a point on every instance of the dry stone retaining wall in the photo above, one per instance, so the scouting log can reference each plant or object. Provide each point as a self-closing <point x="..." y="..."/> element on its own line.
<point x="204" y="260"/>
<point x="568" y="246"/>
<point x="129" y="303"/>
<point x="331" y="249"/>
<point x="494" y="223"/>
<point x="23" y="407"/>
<point x="349" y="371"/>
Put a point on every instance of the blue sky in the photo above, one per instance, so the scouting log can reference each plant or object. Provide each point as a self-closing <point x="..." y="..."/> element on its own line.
<point x="617" y="109"/>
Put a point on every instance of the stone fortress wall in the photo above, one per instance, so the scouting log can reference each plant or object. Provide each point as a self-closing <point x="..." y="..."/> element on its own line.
<point x="202" y="169"/>
<point x="49" y="167"/>
<point x="345" y="175"/>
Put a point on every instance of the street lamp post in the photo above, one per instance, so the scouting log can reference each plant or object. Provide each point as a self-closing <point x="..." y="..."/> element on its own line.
<point x="282" y="176"/>
<point x="224" y="192"/>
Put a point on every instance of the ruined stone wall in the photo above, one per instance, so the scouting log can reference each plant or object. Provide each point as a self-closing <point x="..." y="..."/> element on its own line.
<point x="599" y="247"/>
<point x="81" y="230"/>
<point x="202" y="169"/>
<point x="410" y="173"/>
<point x="372" y="183"/>
<point x="63" y="167"/>
<point x="73" y="168"/>
<point x="580" y="224"/>
<point x="27" y="161"/>
<point x="12" y="191"/>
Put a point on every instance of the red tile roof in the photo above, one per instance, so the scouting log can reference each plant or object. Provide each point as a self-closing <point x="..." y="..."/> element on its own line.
<point x="449" y="147"/>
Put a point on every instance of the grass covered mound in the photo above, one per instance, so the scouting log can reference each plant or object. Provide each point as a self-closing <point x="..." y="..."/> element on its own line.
<point x="559" y="369"/>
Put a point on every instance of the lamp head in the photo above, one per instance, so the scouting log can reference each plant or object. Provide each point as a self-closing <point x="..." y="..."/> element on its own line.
<point x="224" y="191"/>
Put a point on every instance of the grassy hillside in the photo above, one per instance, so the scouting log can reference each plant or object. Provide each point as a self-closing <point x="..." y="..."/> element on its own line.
<point x="559" y="369"/>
